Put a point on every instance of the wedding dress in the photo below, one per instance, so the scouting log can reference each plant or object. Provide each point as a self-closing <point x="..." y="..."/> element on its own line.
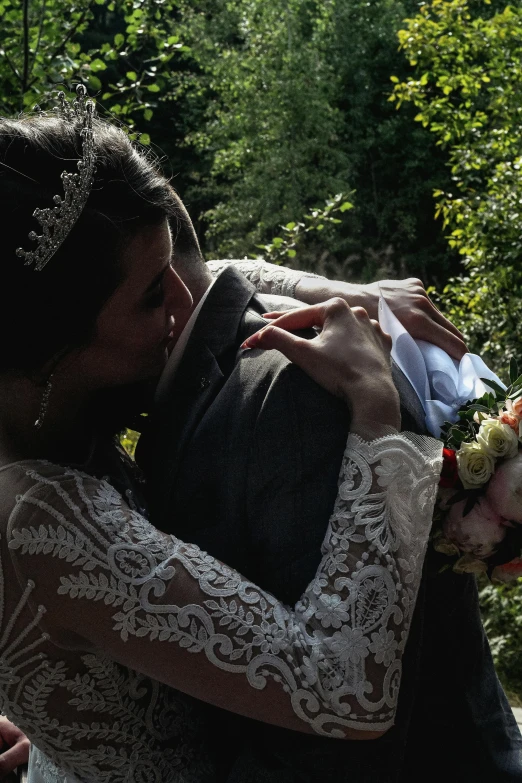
<point x="104" y="620"/>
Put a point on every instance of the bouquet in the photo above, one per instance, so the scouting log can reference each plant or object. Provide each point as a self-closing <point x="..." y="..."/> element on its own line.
<point x="479" y="508"/>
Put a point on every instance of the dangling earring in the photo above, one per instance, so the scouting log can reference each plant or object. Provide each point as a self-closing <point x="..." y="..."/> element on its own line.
<point x="44" y="403"/>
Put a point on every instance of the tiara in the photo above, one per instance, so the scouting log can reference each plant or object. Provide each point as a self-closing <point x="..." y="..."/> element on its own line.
<point x="57" y="221"/>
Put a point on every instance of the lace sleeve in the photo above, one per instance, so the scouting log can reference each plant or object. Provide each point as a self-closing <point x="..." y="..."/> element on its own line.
<point x="267" y="278"/>
<point x="166" y="609"/>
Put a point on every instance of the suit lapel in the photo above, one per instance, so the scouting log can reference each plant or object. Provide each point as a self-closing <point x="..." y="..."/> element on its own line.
<point x="207" y="362"/>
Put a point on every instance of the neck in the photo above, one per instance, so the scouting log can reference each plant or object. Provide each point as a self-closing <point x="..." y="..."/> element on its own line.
<point x="65" y="434"/>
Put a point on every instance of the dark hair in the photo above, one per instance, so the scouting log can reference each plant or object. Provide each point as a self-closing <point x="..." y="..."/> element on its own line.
<point x="44" y="313"/>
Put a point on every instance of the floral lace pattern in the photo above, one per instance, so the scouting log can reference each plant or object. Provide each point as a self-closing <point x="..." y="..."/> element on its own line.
<point x="336" y="656"/>
<point x="267" y="278"/>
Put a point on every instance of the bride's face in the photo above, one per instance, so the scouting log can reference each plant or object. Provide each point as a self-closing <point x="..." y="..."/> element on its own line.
<point x="134" y="329"/>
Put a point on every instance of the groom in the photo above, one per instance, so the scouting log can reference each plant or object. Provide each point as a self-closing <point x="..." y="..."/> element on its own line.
<point x="242" y="455"/>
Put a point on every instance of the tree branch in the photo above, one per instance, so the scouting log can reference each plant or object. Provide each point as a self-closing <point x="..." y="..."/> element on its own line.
<point x="63" y="43"/>
<point x="25" y="72"/>
<point x="11" y="65"/>
<point x="40" y="28"/>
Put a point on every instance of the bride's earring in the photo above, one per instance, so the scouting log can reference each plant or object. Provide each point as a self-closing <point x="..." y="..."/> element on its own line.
<point x="44" y="403"/>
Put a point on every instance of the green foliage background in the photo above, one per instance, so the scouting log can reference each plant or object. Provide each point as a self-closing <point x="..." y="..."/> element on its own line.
<point x="357" y="139"/>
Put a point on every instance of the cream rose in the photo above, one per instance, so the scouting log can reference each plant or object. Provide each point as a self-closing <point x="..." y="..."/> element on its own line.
<point x="497" y="439"/>
<point x="476" y="465"/>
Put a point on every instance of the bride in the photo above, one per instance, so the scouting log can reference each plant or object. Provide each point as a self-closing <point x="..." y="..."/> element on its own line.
<point x="108" y="626"/>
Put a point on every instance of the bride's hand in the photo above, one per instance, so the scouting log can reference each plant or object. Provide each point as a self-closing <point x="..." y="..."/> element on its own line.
<point x="350" y="358"/>
<point x="14" y="747"/>
<point x="407" y="299"/>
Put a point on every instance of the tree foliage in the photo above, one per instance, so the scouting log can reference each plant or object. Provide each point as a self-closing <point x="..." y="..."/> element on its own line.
<point x="468" y="89"/>
<point x="501" y="607"/>
<point x="295" y="110"/>
<point x="38" y="49"/>
<point x="263" y="109"/>
<point x="121" y="49"/>
<point x="285" y="247"/>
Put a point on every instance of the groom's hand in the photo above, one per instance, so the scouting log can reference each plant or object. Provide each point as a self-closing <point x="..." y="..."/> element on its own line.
<point x="407" y="299"/>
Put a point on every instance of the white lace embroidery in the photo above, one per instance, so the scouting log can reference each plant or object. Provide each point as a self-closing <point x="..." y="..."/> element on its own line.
<point x="336" y="656"/>
<point x="267" y="278"/>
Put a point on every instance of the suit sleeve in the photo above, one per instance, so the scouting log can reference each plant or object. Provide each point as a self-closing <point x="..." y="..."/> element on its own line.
<point x="295" y="455"/>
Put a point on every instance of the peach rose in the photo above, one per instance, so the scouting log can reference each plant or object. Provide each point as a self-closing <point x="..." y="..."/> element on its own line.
<point x="504" y="492"/>
<point x="511" y="419"/>
<point x="517" y="406"/>
<point x="479" y="532"/>
<point x="508" y="572"/>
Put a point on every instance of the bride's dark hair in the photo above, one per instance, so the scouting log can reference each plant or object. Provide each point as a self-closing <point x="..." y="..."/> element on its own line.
<point x="44" y="313"/>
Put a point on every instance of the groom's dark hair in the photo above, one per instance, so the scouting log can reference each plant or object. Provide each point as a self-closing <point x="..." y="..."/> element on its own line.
<point x="187" y="258"/>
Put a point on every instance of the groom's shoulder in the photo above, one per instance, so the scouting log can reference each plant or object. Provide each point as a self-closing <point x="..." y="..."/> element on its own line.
<point x="270" y="381"/>
<point x="253" y="319"/>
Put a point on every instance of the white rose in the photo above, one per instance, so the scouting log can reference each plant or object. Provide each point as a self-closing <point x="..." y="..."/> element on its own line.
<point x="475" y="465"/>
<point x="497" y="439"/>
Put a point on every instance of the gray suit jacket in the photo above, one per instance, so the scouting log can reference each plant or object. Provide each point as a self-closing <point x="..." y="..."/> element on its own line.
<point x="242" y="458"/>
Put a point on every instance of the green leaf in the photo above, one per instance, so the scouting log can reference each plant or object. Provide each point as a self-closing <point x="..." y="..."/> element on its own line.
<point x="144" y="138"/>
<point x="97" y="65"/>
<point x="494" y="385"/>
<point x="153" y="88"/>
<point x="94" y="82"/>
<point x="345" y="206"/>
<point x="132" y="75"/>
<point x="291" y="253"/>
<point x="119" y="40"/>
<point x="147" y="114"/>
<point x="457" y="435"/>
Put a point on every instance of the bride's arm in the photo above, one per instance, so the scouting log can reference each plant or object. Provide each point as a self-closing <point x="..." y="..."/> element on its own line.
<point x="330" y="664"/>
<point x="268" y="278"/>
<point x="407" y="299"/>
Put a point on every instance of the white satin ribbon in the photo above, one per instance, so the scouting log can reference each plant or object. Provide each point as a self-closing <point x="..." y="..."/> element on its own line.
<point x="442" y="384"/>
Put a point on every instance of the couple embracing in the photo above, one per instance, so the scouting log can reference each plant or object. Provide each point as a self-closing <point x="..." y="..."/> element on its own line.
<point x="261" y="607"/>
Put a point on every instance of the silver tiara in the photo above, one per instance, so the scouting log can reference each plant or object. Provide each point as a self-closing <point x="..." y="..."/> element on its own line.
<point x="57" y="221"/>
